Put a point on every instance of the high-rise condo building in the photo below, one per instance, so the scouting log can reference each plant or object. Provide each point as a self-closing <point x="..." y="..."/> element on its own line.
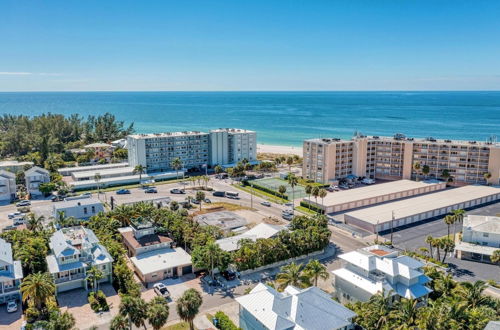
<point x="393" y="158"/>
<point x="195" y="149"/>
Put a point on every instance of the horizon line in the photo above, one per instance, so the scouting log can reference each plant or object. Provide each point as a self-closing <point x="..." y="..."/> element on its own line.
<point x="262" y="91"/>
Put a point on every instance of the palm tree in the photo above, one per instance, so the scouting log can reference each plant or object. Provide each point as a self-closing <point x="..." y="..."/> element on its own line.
<point x="445" y="174"/>
<point x="157" y="313"/>
<point x="472" y="293"/>
<point x="495" y="257"/>
<point x="487" y="177"/>
<point x="459" y="217"/>
<point x="293" y="181"/>
<point x="174" y="205"/>
<point x="445" y="285"/>
<point x="429" y="240"/>
<point x="38" y="288"/>
<point x="94" y="275"/>
<point x="97" y="178"/>
<point x="289" y="162"/>
<point x="449" y="220"/>
<point x="315" y="270"/>
<point x="381" y="303"/>
<point x="176" y="165"/>
<point x="35" y="223"/>
<point x="292" y="274"/>
<point x="417" y="168"/>
<point x="119" y="323"/>
<point x="218" y="169"/>
<point x="315" y="193"/>
<point x="188" y="306"/>
<point x="406" y="312"/>
<point x="282" y="190"/>
<point x="200" y="197"/>
<point x="425" y="170"/>
<point x="308" y="190"/>
<point x="322" y="194"/>
<point x="139" y="169"/>
<point x="133" y="308"/>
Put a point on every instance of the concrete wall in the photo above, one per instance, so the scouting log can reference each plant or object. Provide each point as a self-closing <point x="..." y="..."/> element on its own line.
<point x="347" y="292"/>
<point x="494" y="166"/>
<point x="136" y="151"/>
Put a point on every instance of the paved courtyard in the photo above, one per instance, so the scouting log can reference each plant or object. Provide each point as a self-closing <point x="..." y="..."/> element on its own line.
<point x="10" y="320"/>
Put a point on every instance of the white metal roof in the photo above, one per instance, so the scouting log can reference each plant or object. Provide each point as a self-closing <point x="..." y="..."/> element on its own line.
<point x="475" y="248"/>
<point x="91" y="167"/>
<point x="262" y="230"/>
<point x="121" y="171"/>
<point x="482" y="223"/>
<point x="421" y="204"/>
<point x="161" y="259"/>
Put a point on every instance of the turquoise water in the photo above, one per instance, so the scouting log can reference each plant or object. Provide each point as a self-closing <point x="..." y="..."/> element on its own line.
<point x="282" y="118"/>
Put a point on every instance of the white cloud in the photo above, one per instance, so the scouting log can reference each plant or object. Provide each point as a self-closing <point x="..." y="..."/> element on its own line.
<point x="5" y="73"/>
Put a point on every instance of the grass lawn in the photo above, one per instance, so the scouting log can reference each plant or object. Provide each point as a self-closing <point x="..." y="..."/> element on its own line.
<point x="177" y="326"/>
<point x="260" y="193"/>
<point x="305" y="210"/>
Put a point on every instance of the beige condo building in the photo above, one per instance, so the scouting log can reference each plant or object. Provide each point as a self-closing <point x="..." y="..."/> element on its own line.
<point x="392" y="158"/>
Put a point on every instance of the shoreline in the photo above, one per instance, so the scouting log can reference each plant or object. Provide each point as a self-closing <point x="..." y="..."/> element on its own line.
<point x="276" y="149"/>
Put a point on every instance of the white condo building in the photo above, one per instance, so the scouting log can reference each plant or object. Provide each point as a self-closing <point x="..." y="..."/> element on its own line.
<point x="195" y="149"/>
<point x="377" y="268"/>
<point x="480" y="238"/>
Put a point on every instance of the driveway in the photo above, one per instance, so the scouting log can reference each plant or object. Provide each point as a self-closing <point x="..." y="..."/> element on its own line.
<point x="10" y="320"/>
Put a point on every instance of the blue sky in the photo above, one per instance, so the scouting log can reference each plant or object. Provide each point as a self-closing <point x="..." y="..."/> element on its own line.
<point x="125" y="45"/>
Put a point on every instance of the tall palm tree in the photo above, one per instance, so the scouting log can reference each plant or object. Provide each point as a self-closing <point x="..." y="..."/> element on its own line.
<point x="139" y="169"/>
<point x="200" y="197"/>
<point x="176" y="165"/>
<point x="429" y="239"/>
<point x="315" y="193"/>
<point x="97" y="178"/>
<point x="445" y="285"/>
<point x="381" y="303"/>
<point x="133" y="308"/>
<point x="308" y="190"/>
<point x="119" y="323"/>
<point x="38" y="288"/>
<point x="292" y="274"/>
<point x="157" y="313"/>
<point x="322" y="194"/>
<point x="472" y="293"/>
<point x="293" y="181"/>
<point x="459" y="218"/>
<point x="218" y="169"/>
<point x="35" y="223"/>
<point x="316" y="270"/>
<point x="94" y="275"/>
<point x="188" y="306"/>
<point x="417" y="168"/>
<point x="449" y="220"/>
<point x="487" y="177"/>
<point x="289" y="162"/>
<point x="406" y="311"/>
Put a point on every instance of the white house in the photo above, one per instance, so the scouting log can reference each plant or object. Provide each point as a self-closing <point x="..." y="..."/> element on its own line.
<point x="377" y="268"/>
<point x="11" y="273"/>
<point x="34" y="177"/>
<point x="74" y="251"/>
<point x="7" y="186"/>
<point x="262" y="230"/>
<point x="480" y="238"/>
<point x="311" y="309"/>
<point x="80" y="208"/>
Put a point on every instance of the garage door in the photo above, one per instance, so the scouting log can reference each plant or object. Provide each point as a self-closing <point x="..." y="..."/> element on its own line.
<point x="187" y="270"/>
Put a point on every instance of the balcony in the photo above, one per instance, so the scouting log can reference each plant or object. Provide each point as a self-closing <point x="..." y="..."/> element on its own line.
<point x="8" y="290"/>
<point x="74" y="277"/>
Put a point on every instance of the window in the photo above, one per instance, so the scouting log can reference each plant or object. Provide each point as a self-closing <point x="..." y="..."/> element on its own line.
<point x="486" y="234"/>
<point x="84" y="210"/>
<point x="93" y="209"/>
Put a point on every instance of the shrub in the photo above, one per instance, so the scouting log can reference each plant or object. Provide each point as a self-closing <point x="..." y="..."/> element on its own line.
<point x="98" y="301"/>
<point x="225" y="322"/>
<point x="267" y="190"/>
<point x="311" y="207"/>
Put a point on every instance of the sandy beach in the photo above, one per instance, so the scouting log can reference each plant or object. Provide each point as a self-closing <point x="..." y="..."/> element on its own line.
<point x="267" y="148"/>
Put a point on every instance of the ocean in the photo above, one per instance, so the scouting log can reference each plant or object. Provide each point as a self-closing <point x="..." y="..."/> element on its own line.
<point x="281" y="118"/>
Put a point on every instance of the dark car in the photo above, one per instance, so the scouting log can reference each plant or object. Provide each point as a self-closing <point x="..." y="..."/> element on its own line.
<point x="229" y="275"/>
<point x="151" y="191"/>
<point x="219" y="193"/>
<point x="123" y="192"/>
<point x="177" y="191"/>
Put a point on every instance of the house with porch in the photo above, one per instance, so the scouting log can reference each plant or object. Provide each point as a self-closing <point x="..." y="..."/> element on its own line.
<point x="74" y="251"/>
<point x="34" y="177"/>
<point x="480" y="238"/>
<point x="11" y="274"/>
<point x="7" y="186"/>
<point x="378" y="268"/>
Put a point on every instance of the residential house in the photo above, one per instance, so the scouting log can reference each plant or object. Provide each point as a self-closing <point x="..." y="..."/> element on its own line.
<point x="7" y="186"/>
<point x="100" y="151"/>
<point x="14" y="166"/>
<point x="262" y="230"/>
<point x="377" y="268"/>
<point x="11" y="274"/>
<point x="480" y="238"/>
<point x="154" y="256"/>
<point x="311" y="309"/>
<point x="74" y="251"/>
<point x="34" y="177"/>
<point x="80" y="207"/>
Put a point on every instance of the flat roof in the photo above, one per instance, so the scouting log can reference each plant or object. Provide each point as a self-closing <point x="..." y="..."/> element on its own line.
<point x="262" y="230"/>
<point x="420" y="204"/>
<point x="103" y="172"/>
<point x="374" y="190"/>
<point x="122" y="179"/>
<point x="77" y="202"/>
<point x="91" y="167"/>
<point x="167" y="134"/>
<point x="161" y="259"/>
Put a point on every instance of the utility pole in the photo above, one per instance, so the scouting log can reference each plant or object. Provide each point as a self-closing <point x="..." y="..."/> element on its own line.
<point x="251" y="195"/>
<point x="392" y="226"/>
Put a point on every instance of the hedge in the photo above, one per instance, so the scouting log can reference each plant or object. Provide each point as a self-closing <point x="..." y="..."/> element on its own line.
<point x="312" y="207"/>
<point x="225" y="322"/>
<point x="267" y="190"/>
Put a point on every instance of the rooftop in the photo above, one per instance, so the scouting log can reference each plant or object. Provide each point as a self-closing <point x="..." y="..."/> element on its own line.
<point x="225" y="220"/>
<point x="103" y="172"/>
<point x="161" y="259"/>
<point x="376" y="190"/>
<point x="482" y="223"/>
<point x="7" y="163"/>
<point x="421" y="204"/>
<point x="98" y="145"/>
<point x="294" y="308"/>
<point x="146" y="240"/>
<point x="77" y="202"/>
<point x="167" y="134"/>
<point x="262" y="230"/>
<point x="231" y="130"/>
<point x="91" y="167"/>
<point x="141" y="223"/>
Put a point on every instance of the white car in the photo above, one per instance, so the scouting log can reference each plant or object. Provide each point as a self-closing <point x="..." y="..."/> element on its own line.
<point x="161" y="290"/>
<point x="13" y="215"/>
<point x="266" y="204"/>
<point x="368" y="181"/>
<point x="11" y="306"/>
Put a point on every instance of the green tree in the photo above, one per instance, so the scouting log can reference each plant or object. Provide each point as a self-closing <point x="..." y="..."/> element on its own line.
<point x="53" y="162"/>
<point x="47" y="188"/>
<point x="308" y="190"/>
<point x="210" y="256"/>
<point x="293" y="181"/>
<point x="37" y="288"/>
<point x="292" y="274"/>
<point x="316" y="270"/>
<point x="425" y="170"/>
<point x="218" y="169"/>
<point x="61" y="321"/>
<point x="315" y="193"/>
<point x="94" y="275"/>
<point x="133" y="308"/>
<point x="120" y="153"/>
<point x="139" y="169"/>
<point x="174" y="205"/>
<point x="322" y="194"/>
<point x="176" y="165"/>
<point x="449" y="220"/>
<point x="157" y="312"/>
<point x="35" y="223"/>
<point x="472" y="293"/>
<point x="289" y="162"/>
<point x="495" y="257"/>
<point x="119" y="323"/>
<point x="487" y="177"/>
<point x="445" y="174"/>
<point x="417" y="168"/>
<point x="429" y="240"/>
<point x="200" y="197"/>
<point x="188" y="306"/>
<point x="282" y="190"/>
<point x="97" y="179"/>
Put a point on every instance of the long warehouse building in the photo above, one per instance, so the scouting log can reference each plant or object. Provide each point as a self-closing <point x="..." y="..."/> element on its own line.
<point x="378" y="218"/>
<point x="376" y="194"/>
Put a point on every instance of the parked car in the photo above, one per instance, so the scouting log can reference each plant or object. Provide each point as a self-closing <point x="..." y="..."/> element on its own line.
<point x="289" y="204"/>
<point x="161" y="290"/>
<point x="229" y="275"/>
<point x="209" y="280"/>
<point x="14" y="214"/>
<point x="123" y="192"/>
<point x="11" y="306"/>
<point x="368" y="181"/>
<point x="287" y="216"/>
<point x="219" y="193"/>
<point x="330" y="189"/>
<point x="23" y="203"/>
<point x="289" y="211"/>
<point x="336" y="188"/>
<point x="87" y="194"/>
<point x="195" y="201"/>
<point x="344" y="186"/>
<point x="207" y="200"/>
<point x="177" y="191"/>
<point x="266" y="204"/>
<point x="19" y="221"/>
<point x="9" y="227"/>
<point x="151" y="191"/>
